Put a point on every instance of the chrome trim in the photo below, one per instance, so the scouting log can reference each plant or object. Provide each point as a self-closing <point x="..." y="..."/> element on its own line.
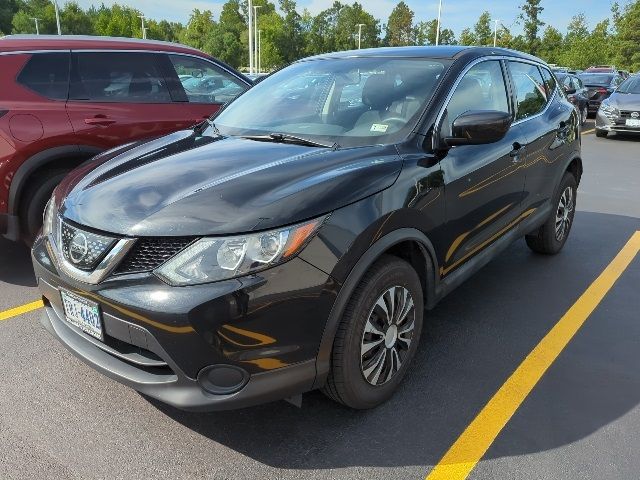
<point x="104" y="268"/>
<point x="436" y="130"/>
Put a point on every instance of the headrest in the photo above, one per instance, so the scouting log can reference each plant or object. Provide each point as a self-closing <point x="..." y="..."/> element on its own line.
<point x="378" y="92"/>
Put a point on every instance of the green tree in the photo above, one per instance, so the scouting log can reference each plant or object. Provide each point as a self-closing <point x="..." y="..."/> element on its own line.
<point x="426" y="34"/>
<point x="8" y="8"/>
<point x="467" y="37"/>
<point x="200" y="27"/>
<point x="627" y="38"/>
<point x="400" y="30"/>
<point x="551" y="45"/>
<point x="43" y="10"/>
<point x="504" y="38"/>
<point x="228" y="45"/>
<point x="290" y="39"/>
<point x="118" y="21"/>
<point x="482" y="31"/>
<point x="76" y="21"/>
<point x="530" y="16"/>
<point x="347" y="28"/>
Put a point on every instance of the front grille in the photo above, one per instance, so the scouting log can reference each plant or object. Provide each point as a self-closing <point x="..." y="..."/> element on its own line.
<point x="81" y="248"/>
<point x="627" y="113"/>
<point x="149" y="253"/>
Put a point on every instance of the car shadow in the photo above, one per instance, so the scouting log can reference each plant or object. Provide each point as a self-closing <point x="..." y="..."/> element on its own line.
<point x="472" y="342"/>
<point x="15" y="264"/>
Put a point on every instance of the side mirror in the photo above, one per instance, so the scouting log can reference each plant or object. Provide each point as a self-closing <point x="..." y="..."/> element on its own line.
<point x="569" y="90"/>
<point x="478" y="127"/>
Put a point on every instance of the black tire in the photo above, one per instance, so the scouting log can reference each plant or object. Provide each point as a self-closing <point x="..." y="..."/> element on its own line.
<point x="546" y="239"/>
<point x="347" y="383"/>
<point x="33" y="202"/>
<point x="601" y="133"/>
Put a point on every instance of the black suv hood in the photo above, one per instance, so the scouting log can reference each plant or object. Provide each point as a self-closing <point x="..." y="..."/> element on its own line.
<point x="187" y="184"/>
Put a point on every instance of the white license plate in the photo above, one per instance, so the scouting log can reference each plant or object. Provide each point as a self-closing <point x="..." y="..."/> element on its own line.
<point x="632" y="122"/>
<point x="83" y="314"/>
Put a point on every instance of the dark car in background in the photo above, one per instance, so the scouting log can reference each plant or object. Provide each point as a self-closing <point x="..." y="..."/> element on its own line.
<point x="599" y="86"/>
<point x="576" y="92"/>
<point x="259" y="255"/>
<point x="64" y="99"/>
<point x="621" y="111"/>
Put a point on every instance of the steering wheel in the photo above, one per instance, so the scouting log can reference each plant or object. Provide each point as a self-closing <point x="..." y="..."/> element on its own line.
<point x="400" y="122"/>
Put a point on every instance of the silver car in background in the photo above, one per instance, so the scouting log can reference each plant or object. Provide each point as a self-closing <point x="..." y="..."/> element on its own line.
<point x="621" y="111"/>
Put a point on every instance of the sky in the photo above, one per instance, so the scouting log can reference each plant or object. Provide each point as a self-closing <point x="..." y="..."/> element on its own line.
<point x="456" y="14"/>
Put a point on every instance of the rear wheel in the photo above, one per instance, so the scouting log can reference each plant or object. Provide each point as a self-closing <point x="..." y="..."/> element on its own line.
<point x="601" y="133"/>
<point x="551" y="237"/>
<point x="378" y="335"/>
<point x="33" y="202"/>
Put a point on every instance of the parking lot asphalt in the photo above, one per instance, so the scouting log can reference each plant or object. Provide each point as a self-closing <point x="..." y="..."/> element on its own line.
<point x="59" y="417"/>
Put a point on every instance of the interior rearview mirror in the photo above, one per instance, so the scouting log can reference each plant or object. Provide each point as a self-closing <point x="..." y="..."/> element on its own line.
<point x="477" y="127"/>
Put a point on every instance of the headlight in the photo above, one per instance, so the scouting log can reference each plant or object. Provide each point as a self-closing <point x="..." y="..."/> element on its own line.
<point x="606" y="107"/>
<point x="47" y="220"/>
<point x="214" y="259"/>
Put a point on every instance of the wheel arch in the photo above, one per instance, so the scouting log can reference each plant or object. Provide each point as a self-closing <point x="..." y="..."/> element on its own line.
<point x="68" y="156"/>
<point x="409" y="244"/>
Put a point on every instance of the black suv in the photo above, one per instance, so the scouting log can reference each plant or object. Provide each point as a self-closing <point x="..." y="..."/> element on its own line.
<point x="295" y="241"/>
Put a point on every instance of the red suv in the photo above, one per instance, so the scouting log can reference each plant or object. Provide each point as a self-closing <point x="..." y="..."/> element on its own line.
<point x="64" y="99"/>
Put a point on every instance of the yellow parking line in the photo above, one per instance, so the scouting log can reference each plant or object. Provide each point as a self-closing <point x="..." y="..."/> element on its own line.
<point x="14" y="312"/>
<point x="588" y="131"/>
<point x="474" y="442"/>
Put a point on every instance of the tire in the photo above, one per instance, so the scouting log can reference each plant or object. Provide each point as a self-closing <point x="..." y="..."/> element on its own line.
<point x="33" y="202"/>
<point x="551" y="237"/>
<point x="365" y="381"/>
<point x="601" y="133"/>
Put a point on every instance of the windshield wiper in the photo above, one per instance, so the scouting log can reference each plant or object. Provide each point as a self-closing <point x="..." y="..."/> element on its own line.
<point x="206" y="123"/>
<point x="287" y="138"/>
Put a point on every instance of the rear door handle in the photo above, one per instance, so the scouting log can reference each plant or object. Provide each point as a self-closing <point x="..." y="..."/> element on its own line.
<point x="100" y="120"/>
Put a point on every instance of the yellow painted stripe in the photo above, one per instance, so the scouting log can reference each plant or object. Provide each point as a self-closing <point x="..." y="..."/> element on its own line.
<point x="588" y="131"/>
<point x="474" y="442"/>
<point x="14" y="312"/>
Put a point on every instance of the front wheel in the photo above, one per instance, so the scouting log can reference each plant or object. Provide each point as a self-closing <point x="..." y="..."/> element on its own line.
<point x="378" y="335"/>
<point x="551" y="237"/>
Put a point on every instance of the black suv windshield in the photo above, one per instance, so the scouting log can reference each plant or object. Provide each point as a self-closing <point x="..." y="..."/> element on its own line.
<point x="349" y="102"/>
<point x="630" y="85"/>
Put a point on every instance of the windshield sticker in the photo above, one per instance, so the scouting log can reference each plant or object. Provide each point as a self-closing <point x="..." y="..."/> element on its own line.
<point x="379" y="127"/>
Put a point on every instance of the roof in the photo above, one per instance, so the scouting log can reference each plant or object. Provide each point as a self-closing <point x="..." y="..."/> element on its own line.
<point x="64" y="42"/>
<point x="432" y="51"/>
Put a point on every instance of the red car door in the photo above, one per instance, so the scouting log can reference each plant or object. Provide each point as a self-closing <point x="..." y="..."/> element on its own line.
<point x="118" y="97"/>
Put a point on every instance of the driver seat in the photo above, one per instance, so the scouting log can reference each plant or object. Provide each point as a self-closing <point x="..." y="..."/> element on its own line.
<point x="377" y="94"/>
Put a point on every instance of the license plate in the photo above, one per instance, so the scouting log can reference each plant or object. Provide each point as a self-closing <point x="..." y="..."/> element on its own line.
<point x="633" y="122"/>
<point x="83" y="314"/>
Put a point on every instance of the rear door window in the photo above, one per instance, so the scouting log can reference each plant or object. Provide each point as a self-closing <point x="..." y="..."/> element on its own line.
<point x="47" y="74"/>
<point x="531" y="93"/>
<point x="549" y="81"/>
<point x="118" y="77"/>
<point x="205" y="82"/>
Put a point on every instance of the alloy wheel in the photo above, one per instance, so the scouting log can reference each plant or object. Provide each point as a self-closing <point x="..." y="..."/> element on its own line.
<point x="387" y="335"/>
<point x="563" y="214"/>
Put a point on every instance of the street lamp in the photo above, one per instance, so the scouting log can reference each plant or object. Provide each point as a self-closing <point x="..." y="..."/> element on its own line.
<point x="495" y="32"/>
<point x="438" y="23"/>
<point x="55" y="6"/>
<point x="250" y="12"/>
<point x="255" y="36"/>
<point x="360" y="25"/>
<point x="259" y="51"/>
<point x="37" y="27"/>
<point x="144" y="30"/>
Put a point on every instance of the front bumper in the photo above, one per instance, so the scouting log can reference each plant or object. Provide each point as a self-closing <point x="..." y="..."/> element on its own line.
<point x="165" y="341"/>
<point x="613" y="124"/>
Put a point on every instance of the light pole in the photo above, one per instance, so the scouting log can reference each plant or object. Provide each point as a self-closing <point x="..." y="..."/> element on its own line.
<point x="55" y="6"/>
<point x="255" y="35"/>
<point x="250" y="38"/>
<point x="259" y="51"/>
<point x="495" y="32"/>
<point x="37" y="27"/>
<point x="360" y="25"/>
<point x="438" y="23"/>
<point x="144" y="30"/>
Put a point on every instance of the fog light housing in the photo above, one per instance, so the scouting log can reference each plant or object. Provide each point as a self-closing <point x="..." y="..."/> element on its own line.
<point x="222" y="379"/>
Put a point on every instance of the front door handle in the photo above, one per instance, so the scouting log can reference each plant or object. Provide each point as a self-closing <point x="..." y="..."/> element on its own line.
<point x="518" y="149"/>
<point x="101" y="120"/>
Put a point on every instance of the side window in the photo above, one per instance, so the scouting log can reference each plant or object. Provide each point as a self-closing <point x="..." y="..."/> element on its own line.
<point x="47" y="74"/>
<point x="481" y="88"/>
<point x="578" y="83"/>
<point x="118" y="77"/>
<point x="549" y="81"/>
<point x="204" y="82"/>
<point x="531" y="94"/>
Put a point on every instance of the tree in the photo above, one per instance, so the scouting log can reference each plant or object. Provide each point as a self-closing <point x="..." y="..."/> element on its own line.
<point x="118" y="21"/>
<point x="482" y="30"/>
<point x="200" y="27"/>
<point x="347" y="28"/>
<point x="625" y="44"/>
<point x="228" y="44"/>
<point x="23" y="22"/>
<point x="467" y="37"/>
<point x="551" y="45"/>
<point x="8" y="8"/>
<point x="504" y="38"/>
<point x="290" y="40"/>
<point x="426" y="34"/>
<point x="400" y="29"/>
<point x="75" y="20"/>
<point x="530" y="15"/>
